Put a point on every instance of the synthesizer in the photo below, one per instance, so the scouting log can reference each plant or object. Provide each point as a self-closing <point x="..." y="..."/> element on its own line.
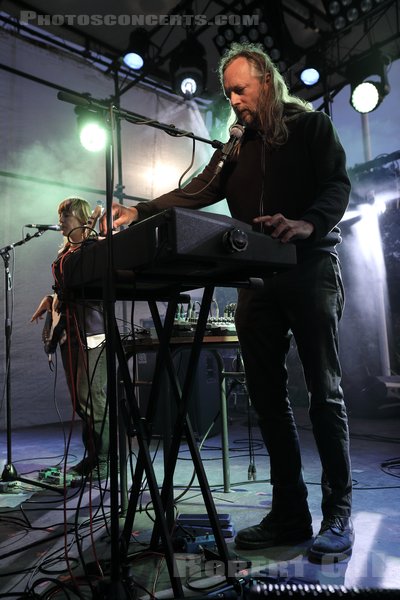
<point x="179" y="246"/>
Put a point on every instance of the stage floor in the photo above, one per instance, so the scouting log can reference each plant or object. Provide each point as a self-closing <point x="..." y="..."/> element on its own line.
<point x="53" y="540"/>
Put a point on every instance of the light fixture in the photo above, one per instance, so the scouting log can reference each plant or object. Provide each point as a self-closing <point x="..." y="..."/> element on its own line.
<point x="368" y="80"/>
<point x="375" y="183"/>
<point x="309" y="76"/>
<point x="313" y="68"/>
<point x="92" y="129"/>
<point x="266" y="27"/>
<point x="188" y="68"/>
<point x="137" y="51"/>
<point x="344" y="13"/>
<point x="365" y="96"/>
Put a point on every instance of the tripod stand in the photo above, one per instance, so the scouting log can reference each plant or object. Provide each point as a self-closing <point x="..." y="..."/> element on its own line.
<point x="9" y="472"/>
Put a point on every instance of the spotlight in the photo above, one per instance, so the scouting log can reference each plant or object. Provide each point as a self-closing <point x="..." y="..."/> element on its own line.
<point x="366" y="93"/>
<point x="137" y="50"/>
<point x="188" y="68"/>
<point x="92" y="129"/>
<point x="309" y="76"/>
<point x="188" y="86"/>
<point x="365" y="96"/>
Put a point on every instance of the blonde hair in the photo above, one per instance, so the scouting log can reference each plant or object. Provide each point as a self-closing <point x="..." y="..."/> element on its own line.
<point x="277" y="106"/>
<point x="80" y="208"/>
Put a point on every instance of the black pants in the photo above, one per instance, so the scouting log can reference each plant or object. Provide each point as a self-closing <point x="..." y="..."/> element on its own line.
<point x="306" y="301"/>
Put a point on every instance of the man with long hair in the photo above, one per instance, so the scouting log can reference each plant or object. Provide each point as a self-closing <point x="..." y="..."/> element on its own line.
<point x="288" y="179"/>
<point x="81" y="343"/>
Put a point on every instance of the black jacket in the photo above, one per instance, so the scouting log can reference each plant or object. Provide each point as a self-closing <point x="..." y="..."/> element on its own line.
<point x="305" y="179"/>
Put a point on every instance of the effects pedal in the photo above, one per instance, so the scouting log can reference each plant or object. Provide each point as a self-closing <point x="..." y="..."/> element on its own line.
<point x="55" y="476"/>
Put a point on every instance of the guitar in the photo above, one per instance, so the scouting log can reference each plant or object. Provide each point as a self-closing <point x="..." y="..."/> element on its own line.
<point x="54" y="329"/>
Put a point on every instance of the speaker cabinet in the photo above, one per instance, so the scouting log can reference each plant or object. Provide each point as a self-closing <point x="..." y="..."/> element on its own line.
<point x="204" y="403"/>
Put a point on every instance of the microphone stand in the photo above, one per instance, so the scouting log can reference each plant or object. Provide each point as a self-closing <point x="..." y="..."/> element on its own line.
<point x="102" y="106"/>
<point x="9" y="472"/>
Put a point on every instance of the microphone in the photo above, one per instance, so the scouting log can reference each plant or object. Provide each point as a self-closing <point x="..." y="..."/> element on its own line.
<point x="92" y="220"/>
<point x="236" y="132"/>
<point x="44" y="227"/>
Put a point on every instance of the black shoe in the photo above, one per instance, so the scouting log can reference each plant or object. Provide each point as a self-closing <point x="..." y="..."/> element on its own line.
<point x="275" y="532"/>
<point x="334" y="541"/>
<point x="89" y="465"/>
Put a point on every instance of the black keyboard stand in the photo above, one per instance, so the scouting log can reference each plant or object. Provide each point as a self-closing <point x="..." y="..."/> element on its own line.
<point x="163" y="503"/>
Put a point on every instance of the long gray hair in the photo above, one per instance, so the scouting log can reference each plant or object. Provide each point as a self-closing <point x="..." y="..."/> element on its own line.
<point x="277" y="106"/>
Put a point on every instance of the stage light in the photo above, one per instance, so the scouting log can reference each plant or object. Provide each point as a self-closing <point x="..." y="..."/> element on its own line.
<point x="137" y="50"/>
<point x="92" y="130"/>
<point x="93" y="137"/>
<point x="188" y="87"/>
<point x="375" y="184"/>
<point x="313" y="67"/>
<point x="133" y="60"/>
<point x="347" y="12"/>
<point x="268" y="30"/>
<point x="365" y="97"/>
<point x="309" y="76"/>
<point x="368" y="79"/>
<point x="188" y="68"/>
